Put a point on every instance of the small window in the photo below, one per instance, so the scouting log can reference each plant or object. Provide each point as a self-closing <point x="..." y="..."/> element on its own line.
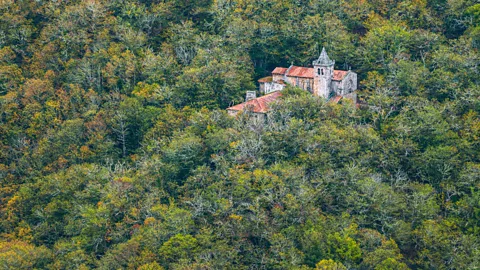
<point x="318" y="71"/>
<point x="322" y="71"/>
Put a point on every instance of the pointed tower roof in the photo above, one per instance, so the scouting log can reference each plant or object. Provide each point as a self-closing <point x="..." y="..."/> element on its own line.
<point x="323" y="59"/>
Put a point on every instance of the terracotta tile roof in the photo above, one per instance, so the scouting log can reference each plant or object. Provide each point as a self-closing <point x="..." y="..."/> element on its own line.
<point x="279" y="70"/>
<point x="305" y="72"/>
<point x="257" y="105"/>
<point x="335" y="99"/>
<point x="338" y="75"/>
<point x="300" y="72"/>
<point x="265" y="79"/>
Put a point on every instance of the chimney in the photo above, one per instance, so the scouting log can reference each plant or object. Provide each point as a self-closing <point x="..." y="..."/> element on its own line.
<point x="250" y="95"/>
<point x="286" y="72"/>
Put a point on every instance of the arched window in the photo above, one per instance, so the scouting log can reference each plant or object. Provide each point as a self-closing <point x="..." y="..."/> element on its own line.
<point x="318" y="71"/>
<point x="322" y="71"/>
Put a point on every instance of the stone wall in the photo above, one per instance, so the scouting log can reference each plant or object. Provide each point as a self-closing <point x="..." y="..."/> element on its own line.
<point x="323" y="82"/>
<point x="352" y="96"/>
<point x="276" y="77"/>
<point x="269" y="87"/>
<point x="304" y="83"/>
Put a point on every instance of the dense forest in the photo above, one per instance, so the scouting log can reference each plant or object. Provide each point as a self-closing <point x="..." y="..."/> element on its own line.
<point x="116" y="151"/>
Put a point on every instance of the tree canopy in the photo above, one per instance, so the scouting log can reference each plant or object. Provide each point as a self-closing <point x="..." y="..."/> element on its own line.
<point x="116" y="151"/>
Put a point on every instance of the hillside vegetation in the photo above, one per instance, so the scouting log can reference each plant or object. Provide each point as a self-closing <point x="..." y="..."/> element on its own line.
<point x="116" y="151"/>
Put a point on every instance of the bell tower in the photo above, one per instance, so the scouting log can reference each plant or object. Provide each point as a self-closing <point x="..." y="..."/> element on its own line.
<point x="323" y="70"/>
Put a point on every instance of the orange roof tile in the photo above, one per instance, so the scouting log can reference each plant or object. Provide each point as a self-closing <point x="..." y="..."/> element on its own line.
<point x="300" y="72"/>
<point x="279" y="70"/>
<point x="305" y="72"/>
<point x="257" y="105"/>
<point x="265" y="79"/>
<point x="338" y="75"/>
<point x="335" y="99"/>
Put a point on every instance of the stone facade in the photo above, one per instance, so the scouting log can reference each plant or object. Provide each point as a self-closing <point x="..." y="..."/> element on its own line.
<point x="270" y="87"/>
<point x="321" y="80"/>
<point x="304" y="83"/>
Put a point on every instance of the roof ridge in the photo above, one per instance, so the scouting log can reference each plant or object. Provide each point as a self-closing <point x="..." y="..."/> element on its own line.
<point x="259" y="104"/>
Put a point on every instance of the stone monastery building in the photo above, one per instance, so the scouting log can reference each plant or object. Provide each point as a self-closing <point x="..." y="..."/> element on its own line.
<point x="320" y="80"/>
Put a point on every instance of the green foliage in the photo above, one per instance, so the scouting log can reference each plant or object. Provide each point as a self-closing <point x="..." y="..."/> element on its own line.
<point x="22" y="255"/>
<point x="116" y="151"/>
<point x="329" y="265"/>
<point x="178" y="248"/>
